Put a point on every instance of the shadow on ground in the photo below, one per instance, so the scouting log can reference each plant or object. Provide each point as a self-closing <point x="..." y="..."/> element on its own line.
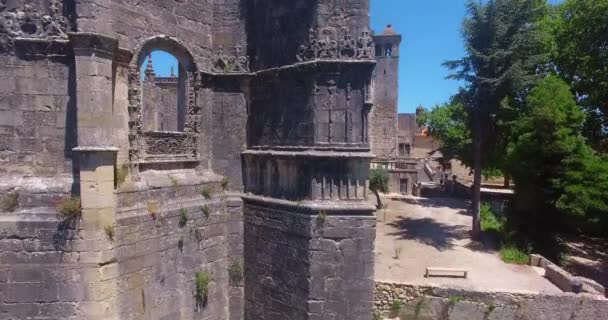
<point x="594" y="252"/>
<point x="428" y="231"/>
<point x="439" y="202"/>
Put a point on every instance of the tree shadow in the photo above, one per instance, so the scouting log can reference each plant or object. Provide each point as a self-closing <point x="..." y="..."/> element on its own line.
<point x="594" y="249"/>
<point x="429" y="232"/>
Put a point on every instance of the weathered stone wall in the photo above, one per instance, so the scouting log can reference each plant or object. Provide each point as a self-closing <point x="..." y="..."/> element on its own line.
<point x="134" y="22"/>
<point x="37" y="123"/>
<point x="160" y="106"/>
<point x="303" y="266"/>
<point x="432" y="303"/>
<point x="383" y="118"/>
<point x="158" y="251"/>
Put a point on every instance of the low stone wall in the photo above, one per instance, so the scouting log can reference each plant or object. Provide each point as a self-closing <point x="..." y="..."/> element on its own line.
<point x="564" y="279"/>
<point x="434" y="303"/>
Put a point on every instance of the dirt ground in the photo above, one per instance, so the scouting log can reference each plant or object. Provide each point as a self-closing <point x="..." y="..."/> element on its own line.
<point x="588" y="257"/>
<point x="416" y="233"/>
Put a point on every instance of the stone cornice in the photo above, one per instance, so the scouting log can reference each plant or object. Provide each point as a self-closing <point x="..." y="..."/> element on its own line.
<point x="89" y="43"/>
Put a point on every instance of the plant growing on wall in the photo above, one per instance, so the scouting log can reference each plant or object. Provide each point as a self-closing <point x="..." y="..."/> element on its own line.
<point x="236" y="273"/>
<point x="153" y="209"/>
<point x="121" y="174"/>
<point x="183" y="217"/>
<point x="109" y="230"/>
<point x="69" y="208"/>
<point x="205" y="210"/>
<point x="201" y="282"/>
<point x="10" y="202"/>
<point x="206" y="192"/>
<point x="224" y="183"/>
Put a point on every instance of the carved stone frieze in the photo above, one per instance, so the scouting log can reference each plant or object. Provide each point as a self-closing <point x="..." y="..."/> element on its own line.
<point x="170" y="143"/>
<point x="162" y="145"/>
<point x="324" y="44"/>
<point x="237" y="63"/>
<point x="28" y="22"/>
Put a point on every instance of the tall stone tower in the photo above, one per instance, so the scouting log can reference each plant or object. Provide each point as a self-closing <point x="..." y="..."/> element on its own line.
<point x="383" y="121"/>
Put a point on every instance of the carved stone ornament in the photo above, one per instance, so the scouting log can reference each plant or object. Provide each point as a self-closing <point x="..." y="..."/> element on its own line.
<point x="30" y="23"/>
<point x="324" y="45"/>
<point x="146" y="146"/>
<point x="237" y="63"/>
<point x="170" y="143"/>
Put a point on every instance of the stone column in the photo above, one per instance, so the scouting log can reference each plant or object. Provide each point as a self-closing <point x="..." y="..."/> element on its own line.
<point x="93" y="55"/>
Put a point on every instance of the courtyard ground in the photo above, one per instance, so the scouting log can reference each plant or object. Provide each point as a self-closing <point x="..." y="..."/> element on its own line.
<point x="416" y="233"/>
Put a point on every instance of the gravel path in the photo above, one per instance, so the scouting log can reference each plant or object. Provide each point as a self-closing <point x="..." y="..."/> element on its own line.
<point x="434" y="232"/>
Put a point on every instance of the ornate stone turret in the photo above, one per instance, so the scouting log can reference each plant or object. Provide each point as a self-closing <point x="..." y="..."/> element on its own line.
<point x="149" y="73"/>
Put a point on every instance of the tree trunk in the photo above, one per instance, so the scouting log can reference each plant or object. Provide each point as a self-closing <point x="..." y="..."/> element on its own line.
<point x="476" y="192"/>
<point x="379" y="205"/>
<point x="507" y="182"/>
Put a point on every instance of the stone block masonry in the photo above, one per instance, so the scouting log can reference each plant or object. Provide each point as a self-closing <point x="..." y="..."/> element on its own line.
<point x="269" y="121"/>
<point x="432" y="303"/>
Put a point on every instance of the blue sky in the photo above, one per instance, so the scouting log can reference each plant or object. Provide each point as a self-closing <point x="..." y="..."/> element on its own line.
<point x="431" y="31"/>
<point x="431" y="35"/>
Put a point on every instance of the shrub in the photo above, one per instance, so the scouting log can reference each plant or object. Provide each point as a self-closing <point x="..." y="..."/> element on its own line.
<point x="10" y="202"/>
<point x="109" y="229"/>
<point x="378" y="316"/>
<point x="491" y="222"/>
<point x="121" y="173"/>
<point x="202" y="280"/>
<point x="69" y="208"/>
<point x="224" y="183"/>
<point x="511" y="254"/>
<point x="206" y="211"/>
<point x="153" y="209"/>
<point x="378" y="182"/>
<point x="396" y="307"/>
<point x="236" y="273"/>
<point x="183" y="217"/>
<point x="206" y="192"/>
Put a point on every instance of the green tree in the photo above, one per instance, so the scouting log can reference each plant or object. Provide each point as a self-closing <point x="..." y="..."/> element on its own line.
<point x="558" y="177"/>
<point x="580" y="55"/>
<point x="505" y="50"/>
<point x="378" y="182"/>
<point x="450" y="125"/>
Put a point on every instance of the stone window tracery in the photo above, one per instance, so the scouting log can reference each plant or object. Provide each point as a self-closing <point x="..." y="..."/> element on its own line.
<point x="151" y="142"/>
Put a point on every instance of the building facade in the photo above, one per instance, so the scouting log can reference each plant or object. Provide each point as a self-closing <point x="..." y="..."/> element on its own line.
<point x="249" y="203"/>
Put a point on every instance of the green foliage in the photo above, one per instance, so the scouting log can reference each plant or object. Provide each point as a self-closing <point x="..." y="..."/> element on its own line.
<point x="224" y="183"/>
<point x="396" y="306"/>
<point x="449" y="124"/>
<point x="514" y="255"/>
<point x="201" y="290"/>
<point x="206" y="192"/>
<point x="558" y="177"/>
<point x="378" y="316"/>
<point x="109" y="230"/>
<point x="378" y="180"/>
<point x="9" y="202"/>
<point x="452" y="300"/>
<point x="121" y="173"/>
<point x="490" y="222"/>
<point x="236" y="273"/>
<point x="69" y="208"/>
<point x="153" y="209"/>
<point x="580" y="55"/>
<point x="174" y="182"/>
<point x="183" y="217"/>
<point x="206" y="211"/>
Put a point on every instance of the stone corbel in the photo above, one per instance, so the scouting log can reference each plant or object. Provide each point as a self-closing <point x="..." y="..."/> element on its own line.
<point x="93" y="44"/>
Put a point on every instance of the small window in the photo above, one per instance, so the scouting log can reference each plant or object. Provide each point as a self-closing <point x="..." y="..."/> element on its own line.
<point x="388" y="50"/>
<point x="378" y="51"/>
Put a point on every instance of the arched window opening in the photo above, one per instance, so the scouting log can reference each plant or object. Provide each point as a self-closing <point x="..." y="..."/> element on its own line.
<point x="378" y="51"/>
<point x="163" y="80"/>
<point x="388" y="50"/>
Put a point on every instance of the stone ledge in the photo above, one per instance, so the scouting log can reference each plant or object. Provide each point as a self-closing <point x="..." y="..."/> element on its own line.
<point x="337" y="208"/>
<point x="310" y="154"/>
<point x="95" y="149"/>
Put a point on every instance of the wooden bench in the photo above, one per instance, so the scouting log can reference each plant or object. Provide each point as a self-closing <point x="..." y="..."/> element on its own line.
<point x="446" y="272"/>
